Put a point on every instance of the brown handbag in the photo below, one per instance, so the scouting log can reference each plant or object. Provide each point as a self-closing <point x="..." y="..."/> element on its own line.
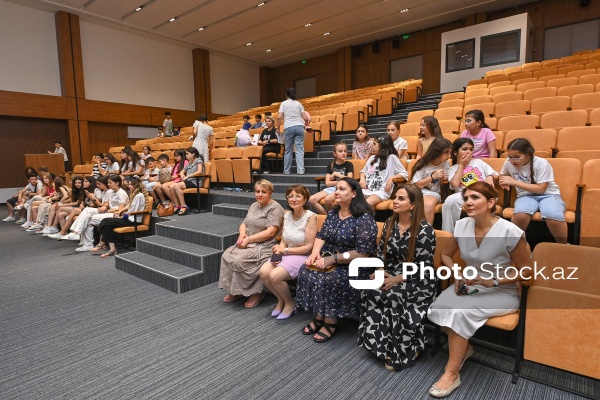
<point x="165" y="211"/>
<point x="327" y="270"/>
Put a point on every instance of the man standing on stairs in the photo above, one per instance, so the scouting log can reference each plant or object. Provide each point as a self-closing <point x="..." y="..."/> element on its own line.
<point x="294" y="119"/>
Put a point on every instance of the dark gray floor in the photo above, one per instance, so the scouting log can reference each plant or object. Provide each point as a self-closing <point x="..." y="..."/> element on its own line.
<point x="74" y="327"/>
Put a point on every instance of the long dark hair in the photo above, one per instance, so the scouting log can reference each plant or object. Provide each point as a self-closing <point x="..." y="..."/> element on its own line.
<point x="77" y="194"/>
<point x="135" y="158"/>
<point x="92" y="182"/>
<point x="436" y="149"/>
<point x="359" y="205"/>
<point x="415" y="195"/>
<point x="433" y="126"/>
<point x="524" y="146"/>
<point x="386" y="148"/>
<point x="181" y="153"/>
<point x="366" y="130"/>
<point x="458" y="143"/>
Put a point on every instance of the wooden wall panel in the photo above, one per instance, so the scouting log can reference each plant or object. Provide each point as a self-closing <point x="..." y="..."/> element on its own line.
<point x="201" y="67"/>
<point x="77" y="56"/>
<point x="103" y="136"/>
<point x="372" y="74"/>
<point x="180" y="117"/>
<point x="65" y="54"/>
<point x="103" y="111"/>
<point x="431" y="69"/>
<point x="35" y="105"/>
<point x="26" y="135"/>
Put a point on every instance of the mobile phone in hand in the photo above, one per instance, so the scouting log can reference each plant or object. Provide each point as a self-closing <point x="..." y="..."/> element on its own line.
<point x="275" y="258"/>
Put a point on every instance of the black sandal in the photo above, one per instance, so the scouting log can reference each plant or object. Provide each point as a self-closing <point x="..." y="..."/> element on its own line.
<point x="324" y="337"/>
<point x="316" y="325"/>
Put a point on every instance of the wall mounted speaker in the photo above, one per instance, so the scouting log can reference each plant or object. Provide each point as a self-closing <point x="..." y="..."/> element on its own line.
<point x="356" y="51"/>
<point x="376" y="47"/>
<point x="396" y="42"/>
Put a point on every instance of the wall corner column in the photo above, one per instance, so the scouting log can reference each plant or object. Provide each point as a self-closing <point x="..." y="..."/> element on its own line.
<point x="345" y="69"/>
<point x="202" y="97"/>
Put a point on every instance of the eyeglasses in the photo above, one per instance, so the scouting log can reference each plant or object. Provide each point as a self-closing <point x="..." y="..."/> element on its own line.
<point x="294" y="197"/>
<point x="514" y="158"/>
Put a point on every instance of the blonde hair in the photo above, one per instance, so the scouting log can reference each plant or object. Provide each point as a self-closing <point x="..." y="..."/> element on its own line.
<point x="265" y="184"/>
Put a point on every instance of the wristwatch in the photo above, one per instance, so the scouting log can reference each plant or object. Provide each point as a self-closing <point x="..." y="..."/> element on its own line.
<point x="495" y="282"/>
<point x="287" y="249"/>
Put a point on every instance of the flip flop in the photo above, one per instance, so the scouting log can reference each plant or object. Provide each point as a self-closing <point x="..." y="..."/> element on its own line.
<point x="231" y="298"/>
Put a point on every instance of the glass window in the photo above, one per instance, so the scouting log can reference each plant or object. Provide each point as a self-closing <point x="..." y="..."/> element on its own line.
<point x="460" y="55"/>
<point x="501" y="48"/>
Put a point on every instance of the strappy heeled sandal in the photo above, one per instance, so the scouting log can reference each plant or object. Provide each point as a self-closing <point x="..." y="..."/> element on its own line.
<point x="109" y="254"/>
<point x="312" y="327"/>
<point x="98" y="248"/>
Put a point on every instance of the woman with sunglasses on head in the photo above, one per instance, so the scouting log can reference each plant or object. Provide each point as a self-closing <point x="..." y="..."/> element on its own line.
<point x="376" y="178"/>
<point x="533" y="179"/>
<point x="483" y="239"/>
<point x="392" y="315"/>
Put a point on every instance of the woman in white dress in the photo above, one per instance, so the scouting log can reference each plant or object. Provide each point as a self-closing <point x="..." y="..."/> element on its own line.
<point x="490" y="245"/>
<point x="297" y="238"/>
<point x="203" y="137"/>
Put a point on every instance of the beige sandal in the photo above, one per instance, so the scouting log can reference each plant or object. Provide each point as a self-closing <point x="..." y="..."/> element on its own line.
<point x="98" y="248"/>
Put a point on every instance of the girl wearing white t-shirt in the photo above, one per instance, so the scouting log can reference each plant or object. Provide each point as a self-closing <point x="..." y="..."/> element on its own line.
<point x="533" y="179"/>
<point x="429" y="171"/>
<point x="401" y="145"/>
<point x="464" y="171"/>
<point x="376" y="178"/>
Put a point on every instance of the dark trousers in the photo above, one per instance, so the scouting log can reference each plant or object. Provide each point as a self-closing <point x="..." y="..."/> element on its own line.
<point x="269" y="148"/>
<point x="108" y="224"/>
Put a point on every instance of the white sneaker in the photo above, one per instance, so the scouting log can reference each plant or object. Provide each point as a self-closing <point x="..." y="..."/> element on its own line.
<point x="20" y="221"/>
<point x="18" y="208"/>
<point x="55" y="235"/>
<point x="73" y="236"/>
<point x="8" y="219"/>
<point x="27" y="224"/>
<point x="41" y="230"/>
<point x="84" y="248"/>
<point x="33" y="228"/>
<point x="50" y="230"/>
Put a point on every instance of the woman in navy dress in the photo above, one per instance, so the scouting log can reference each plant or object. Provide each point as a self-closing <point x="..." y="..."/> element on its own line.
<point x="348" y="232"/>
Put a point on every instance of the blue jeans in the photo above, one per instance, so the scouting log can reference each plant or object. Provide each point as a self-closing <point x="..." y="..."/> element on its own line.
<point x="293" y="136"/>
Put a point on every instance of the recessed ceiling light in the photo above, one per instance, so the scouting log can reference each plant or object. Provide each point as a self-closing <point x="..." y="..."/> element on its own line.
<point x="405" y="10"/>
<point x="307" y="25"/>
<point x="262" y="4"/>
<point x="269" y="50"/>
<point x="172" y="19"/>
<point x="201" y="28"/>
<point x="139" y="8"/>
<point x="326" y="33"/>
<point x="249" y="44"/>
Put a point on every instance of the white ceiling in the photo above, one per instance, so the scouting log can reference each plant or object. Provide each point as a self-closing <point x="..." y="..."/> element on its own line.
<point x="278" y="24"/>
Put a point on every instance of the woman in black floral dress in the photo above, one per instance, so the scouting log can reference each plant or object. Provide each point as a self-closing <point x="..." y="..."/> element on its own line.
<point x="391" y="317"/>
<point x="349" y="232"/>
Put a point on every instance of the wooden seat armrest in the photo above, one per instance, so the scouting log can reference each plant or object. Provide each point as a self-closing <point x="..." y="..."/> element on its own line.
<point x="139" y="212"/>
<point x="319" y="179"/>
<point x="399" y="179"/>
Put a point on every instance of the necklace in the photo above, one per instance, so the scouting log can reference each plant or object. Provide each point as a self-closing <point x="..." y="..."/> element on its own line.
<point x="343" y="216"/>
<point x="300" y="217"/>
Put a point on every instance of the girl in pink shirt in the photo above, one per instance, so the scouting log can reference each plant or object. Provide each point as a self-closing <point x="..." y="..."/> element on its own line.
<point x="480" y="133"/>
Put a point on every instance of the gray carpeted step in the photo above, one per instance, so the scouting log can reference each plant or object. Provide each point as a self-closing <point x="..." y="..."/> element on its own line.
<point x="206" y="229"/>
<point x="242" y="198"/>
<point x="310" y="170"/>
<point x="202" y="258"/>
<point x="292" y="179"/>
<point x="282" y="187"/>
<point x="231" y="210"/>
<point x="166" y="274"/>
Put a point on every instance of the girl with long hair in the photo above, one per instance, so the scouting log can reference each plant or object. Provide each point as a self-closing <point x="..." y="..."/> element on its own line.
<point x="362" y="148"/>
<point x="533" y="179"/>
<point x="376" y="178"/>
<point x="138" y="201"/>
<point x="400" y="144"/>
<point x="429" y="171"/>
<point x="429" y="131"/>
<point x="163" y="189"/>
<point x="464" y="171"/>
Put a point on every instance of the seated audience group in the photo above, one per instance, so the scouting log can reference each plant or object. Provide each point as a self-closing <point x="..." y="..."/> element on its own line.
<point x="112" y="197"/>
<point x="276" y="246"/>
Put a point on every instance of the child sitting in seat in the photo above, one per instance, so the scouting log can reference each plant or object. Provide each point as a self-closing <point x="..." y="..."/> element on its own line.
<point x="150" y="177"/>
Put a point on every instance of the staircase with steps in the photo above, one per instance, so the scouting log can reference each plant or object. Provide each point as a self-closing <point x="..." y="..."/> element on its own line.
<point x="186" y="251"/>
